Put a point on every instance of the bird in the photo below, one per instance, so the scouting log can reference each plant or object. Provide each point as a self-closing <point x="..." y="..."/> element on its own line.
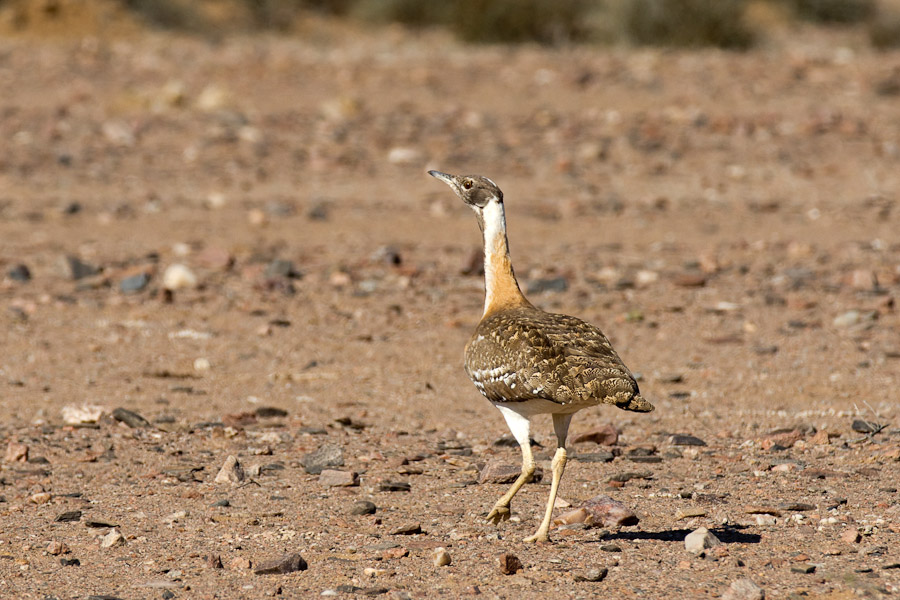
<point x="526" y="361"/>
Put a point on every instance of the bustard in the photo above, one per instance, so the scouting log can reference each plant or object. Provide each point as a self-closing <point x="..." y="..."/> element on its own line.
<point x="527" y="361"/>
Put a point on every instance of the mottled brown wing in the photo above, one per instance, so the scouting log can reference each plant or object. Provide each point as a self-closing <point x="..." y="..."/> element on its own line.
<point x="526" y="353"/>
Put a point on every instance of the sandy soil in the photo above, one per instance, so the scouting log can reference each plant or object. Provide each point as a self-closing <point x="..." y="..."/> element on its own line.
<point x="729" y="220"/>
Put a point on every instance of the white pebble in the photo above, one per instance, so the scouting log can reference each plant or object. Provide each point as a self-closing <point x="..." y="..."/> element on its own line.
<point x="178" y="277"/>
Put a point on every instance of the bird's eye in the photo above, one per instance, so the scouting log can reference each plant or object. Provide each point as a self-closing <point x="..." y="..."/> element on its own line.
<point x="467" y="184"/>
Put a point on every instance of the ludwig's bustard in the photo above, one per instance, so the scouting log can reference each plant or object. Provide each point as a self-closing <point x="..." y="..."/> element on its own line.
<point x="527" y="361"/>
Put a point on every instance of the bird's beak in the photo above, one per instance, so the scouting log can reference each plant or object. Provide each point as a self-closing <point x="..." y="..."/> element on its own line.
<point x="445" y="177"/>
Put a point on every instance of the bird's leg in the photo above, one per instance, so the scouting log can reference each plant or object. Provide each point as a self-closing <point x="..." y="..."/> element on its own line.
<point x="558" y="466"/>
<point x="521" y="430"/>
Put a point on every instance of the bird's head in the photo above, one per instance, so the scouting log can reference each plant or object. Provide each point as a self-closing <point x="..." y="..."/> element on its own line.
<point x="474" y="190"/>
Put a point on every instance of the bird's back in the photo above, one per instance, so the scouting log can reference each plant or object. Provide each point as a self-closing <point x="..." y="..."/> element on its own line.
<point x="524" y="353"/>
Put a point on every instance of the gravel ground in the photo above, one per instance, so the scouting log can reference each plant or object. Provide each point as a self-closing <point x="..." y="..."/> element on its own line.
<point x="237" y="241"/>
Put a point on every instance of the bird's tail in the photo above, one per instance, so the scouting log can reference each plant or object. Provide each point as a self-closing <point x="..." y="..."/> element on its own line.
<point x="637" y="404"/>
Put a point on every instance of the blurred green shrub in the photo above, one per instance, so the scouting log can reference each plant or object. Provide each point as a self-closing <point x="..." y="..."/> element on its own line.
<point x="543" y="21"/>
<point x="168" y="14"/>
<point x="718" y="23"/>
<point x="834" y="11"/>
<point x="884" y="30"/>
<point x="418" y="13"/>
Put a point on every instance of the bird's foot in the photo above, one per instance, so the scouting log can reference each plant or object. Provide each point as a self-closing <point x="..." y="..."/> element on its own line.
<point x="498" y="514"/>
<point x="540" y="536"/>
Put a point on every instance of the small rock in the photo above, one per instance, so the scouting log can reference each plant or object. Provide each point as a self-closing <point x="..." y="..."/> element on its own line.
<point x="407" y="529"/>
<point x="820" y="438"/>
<point x="394" y="553"/>
<point x="215" y="258"/>
<point x="690" y="280"/>
<point x="334" y="478"/>
<point x="689" y="512"/>
<point x="55" y="548"/>
<point x="40" y="498"/>
<point x="214" y="561"/>
<point x="509" y="564"/>
<point x="176" y="516"/>
<point x="607" y="512"/>
<point x="861" y="426"/>
<point x="327" y="455"/>
<point x="854" y="317"/>
<point x="699" y="540"/>
<point x="803" y="569"/>
<point x="70" y="562"/>
<point x="130" y="418"/>
<point x="593" y="457"/>
<point x="797" y="507"/>
<point x="765" y="520"/>
<point x="606" y="435"/>
<point x="861" y="279"/>
<point x="579" y="515"/>
<point x="179" y="277"/>
<point x="762" y="510"/>
<point x="68" y="516"/>
<point x="231" y="472"/>
<point x="19" y="272"/>
<point x="75" y="269"/>
<point x="16" y="452"/>
<point x="441" y="557"/>
<point x="387" y="254"/>
<point x="134" y="283"/>
<point x="782" y="439"/>
<point x="592" y="575"/>
<point x="281" y="268"/>
<point x="680" y="439"/>
<point x="744" y="589"/>
<point x="113" y="538"/>
<point x="850" y="536"/>
<point x="394" y="486"/>
<point x="270" y="412"/>
<point x="78" y="415"/>
<point x="498" y="471"/>
<point x="286" y="564"/>
<point x="363" y="507"/>
<point x="239" y="563"/>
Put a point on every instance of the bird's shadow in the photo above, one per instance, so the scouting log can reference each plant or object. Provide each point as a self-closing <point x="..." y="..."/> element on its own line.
<point x="727" y="535"/>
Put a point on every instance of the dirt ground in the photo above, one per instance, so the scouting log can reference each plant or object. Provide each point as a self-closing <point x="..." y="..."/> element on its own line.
<point x="729" y="220"/>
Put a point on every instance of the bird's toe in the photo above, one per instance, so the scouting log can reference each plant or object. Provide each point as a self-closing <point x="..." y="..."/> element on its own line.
<point x="538" y="537"/>
<point x="499" y="514"/>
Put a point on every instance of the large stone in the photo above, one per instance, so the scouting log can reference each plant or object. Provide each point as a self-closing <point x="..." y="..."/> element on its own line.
<point x="286" y="564"/>
<point x="231" y="472"/>
<point x="327" y="455"/>
<point x="699" y="540"/>
<point x="509" y="564"/>
<point x="16" y="452"/>
<point x="606" y="435"/>
<point x="497" y="471"/>
<point x="606" y="512"/>
<point x="744" y="589"/>
<point x="335" y="478"/>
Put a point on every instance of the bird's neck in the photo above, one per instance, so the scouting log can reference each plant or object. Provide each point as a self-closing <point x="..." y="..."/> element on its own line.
<point x="501" y="290"/>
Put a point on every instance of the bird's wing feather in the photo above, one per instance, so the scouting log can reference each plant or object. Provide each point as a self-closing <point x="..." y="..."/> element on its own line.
<point x="523" y="354"/>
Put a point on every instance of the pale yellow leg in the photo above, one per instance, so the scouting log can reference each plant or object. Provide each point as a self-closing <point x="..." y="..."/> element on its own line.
<point x="501" y="509"/>
<point x="520" y="427"/>
<point x="558" y="466"/>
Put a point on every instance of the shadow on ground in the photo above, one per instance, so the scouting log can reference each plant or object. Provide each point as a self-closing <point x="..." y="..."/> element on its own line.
<point x="728" y="535"/>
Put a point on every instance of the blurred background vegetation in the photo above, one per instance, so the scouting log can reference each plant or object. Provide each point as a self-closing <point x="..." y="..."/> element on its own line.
<point x="730" y="24"/>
